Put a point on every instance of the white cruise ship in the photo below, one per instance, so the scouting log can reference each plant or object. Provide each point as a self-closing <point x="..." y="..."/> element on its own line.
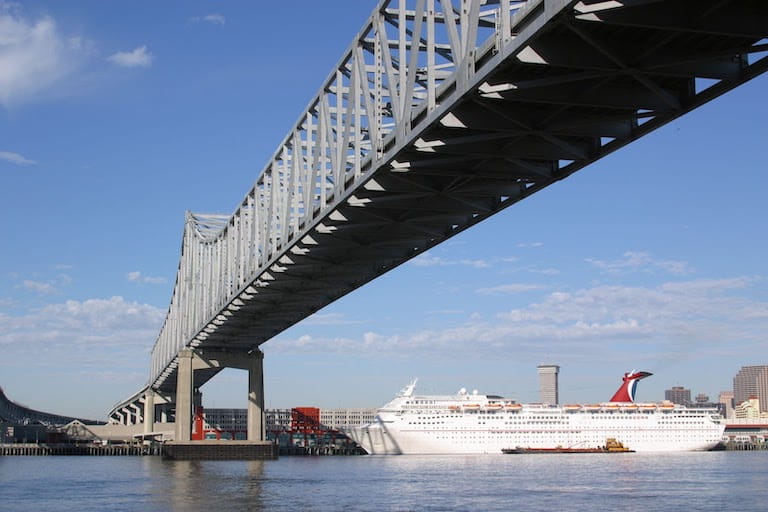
<point x="475" y="423"/>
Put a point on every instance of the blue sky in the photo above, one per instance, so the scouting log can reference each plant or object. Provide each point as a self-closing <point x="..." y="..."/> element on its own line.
<point x="117" y="117"/>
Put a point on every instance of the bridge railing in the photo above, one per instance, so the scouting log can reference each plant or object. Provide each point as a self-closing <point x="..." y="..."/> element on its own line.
<point x="407" y="58"/>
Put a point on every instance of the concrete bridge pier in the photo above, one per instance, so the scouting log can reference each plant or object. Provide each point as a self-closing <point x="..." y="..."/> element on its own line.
<point x="184" y="385"/>
<point x="256" y="420"/>
<point x="149" y="410"/>
<point x="186" y="395"/>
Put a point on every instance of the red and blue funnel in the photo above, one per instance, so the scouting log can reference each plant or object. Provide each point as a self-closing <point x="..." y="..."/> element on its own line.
<point x="626" y="392"/>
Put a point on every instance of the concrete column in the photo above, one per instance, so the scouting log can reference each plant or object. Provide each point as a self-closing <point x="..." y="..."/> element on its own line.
<point x="149" y="411"/>
<point x="184" y="382"/>
<point x="256" y="423"/>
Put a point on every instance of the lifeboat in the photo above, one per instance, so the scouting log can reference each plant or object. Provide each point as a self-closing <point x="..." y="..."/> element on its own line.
<point x="472" y="407"/>
<point x="667" y="407"/>
<point x="454" y="407"/>
<point x="591" y="407"/>
<point x="493" y="407"/>
<point x="611" y="407"/>
<point x="513" y="407"/>
<point x="629" y="407"/>
<point x="572" y="407"/>
<point x="647" y="407"/>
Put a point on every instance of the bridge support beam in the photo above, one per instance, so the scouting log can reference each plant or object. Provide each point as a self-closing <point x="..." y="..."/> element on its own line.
<point x="135" y="414"/>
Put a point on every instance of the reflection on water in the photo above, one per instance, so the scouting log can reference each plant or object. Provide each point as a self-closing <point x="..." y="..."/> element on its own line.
<point x="193" y="484"/>
<point x="713" y="481"/>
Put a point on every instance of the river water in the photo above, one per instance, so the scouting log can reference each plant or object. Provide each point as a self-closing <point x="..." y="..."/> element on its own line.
<point x="716" y="481"/>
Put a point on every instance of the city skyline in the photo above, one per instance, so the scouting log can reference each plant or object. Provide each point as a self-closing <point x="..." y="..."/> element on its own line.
<point x="651" y="259"/>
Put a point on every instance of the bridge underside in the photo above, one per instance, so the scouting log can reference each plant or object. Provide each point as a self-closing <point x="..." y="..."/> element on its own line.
<point x="585" y="85"/>
<point x="568" y="84"/>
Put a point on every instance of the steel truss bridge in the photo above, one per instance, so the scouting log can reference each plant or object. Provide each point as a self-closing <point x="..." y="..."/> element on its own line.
<point x="439" y="114"/>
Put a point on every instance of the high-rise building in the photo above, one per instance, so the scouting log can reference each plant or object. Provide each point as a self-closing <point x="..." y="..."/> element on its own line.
<point x="702" y="398"/>
<point x="751" y="381"/>
<point x="678" y="395"/>
<point x="726" y="403"/>
<point x="548" y="389"/>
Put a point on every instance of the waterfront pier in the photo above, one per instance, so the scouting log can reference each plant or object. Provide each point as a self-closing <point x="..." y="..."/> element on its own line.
<point x="47" y="449"/>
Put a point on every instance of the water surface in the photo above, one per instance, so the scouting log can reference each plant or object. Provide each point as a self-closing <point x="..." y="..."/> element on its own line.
<point x="716" y="481"/>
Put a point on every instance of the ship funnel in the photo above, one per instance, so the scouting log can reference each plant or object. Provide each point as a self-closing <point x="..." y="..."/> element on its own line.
<point x="626" y="392"/>
<point x="408" y="390"/>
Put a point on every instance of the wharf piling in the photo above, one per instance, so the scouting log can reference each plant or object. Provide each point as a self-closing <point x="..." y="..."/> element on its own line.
<point x="45" y="449"/>
<point x="745" y="446"/>
<point x="321" y="450"/>
<point x="178" y="451"/>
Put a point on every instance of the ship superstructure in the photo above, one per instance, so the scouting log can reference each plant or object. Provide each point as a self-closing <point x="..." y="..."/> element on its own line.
<point x="476" y="423"/>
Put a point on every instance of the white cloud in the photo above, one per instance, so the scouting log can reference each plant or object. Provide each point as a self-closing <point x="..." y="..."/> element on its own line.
<point x="139" y="57"/>
<point x="44" y="287"/>
<point x="427" y="260"/>
<point x="93" y="322"/>
<point x="39" y="287"/>
<point x="474" y="263"/>
<point x="670" y="321"/>
<point x="15" y="158"/>
<point x="524" y="245"/>
<point x="329" y="319"/>
<point x="99" y="346"/>
<point x="34" y="56"/>
<point x="633" y="261"/>
<point x="137" y="277"/>
<point x="446" y="312"/>
<point x="505" y="289"/>
<point x="214" y="19"/>
<point x="709" y="285"/>
<point x="533" y="269"/>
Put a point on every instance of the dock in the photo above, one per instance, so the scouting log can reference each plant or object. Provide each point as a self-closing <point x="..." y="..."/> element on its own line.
<point x="46" y="449"/>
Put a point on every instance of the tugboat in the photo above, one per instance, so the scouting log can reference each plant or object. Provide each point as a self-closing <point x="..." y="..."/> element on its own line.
<point x="611" y="446"/>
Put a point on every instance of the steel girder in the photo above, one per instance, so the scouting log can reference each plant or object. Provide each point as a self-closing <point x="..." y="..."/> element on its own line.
<point x="440" y="114"/>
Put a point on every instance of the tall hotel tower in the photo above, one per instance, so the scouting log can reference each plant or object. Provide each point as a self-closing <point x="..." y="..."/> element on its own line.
<point x="548" y="383"/>
<point x="751" y="381"/>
